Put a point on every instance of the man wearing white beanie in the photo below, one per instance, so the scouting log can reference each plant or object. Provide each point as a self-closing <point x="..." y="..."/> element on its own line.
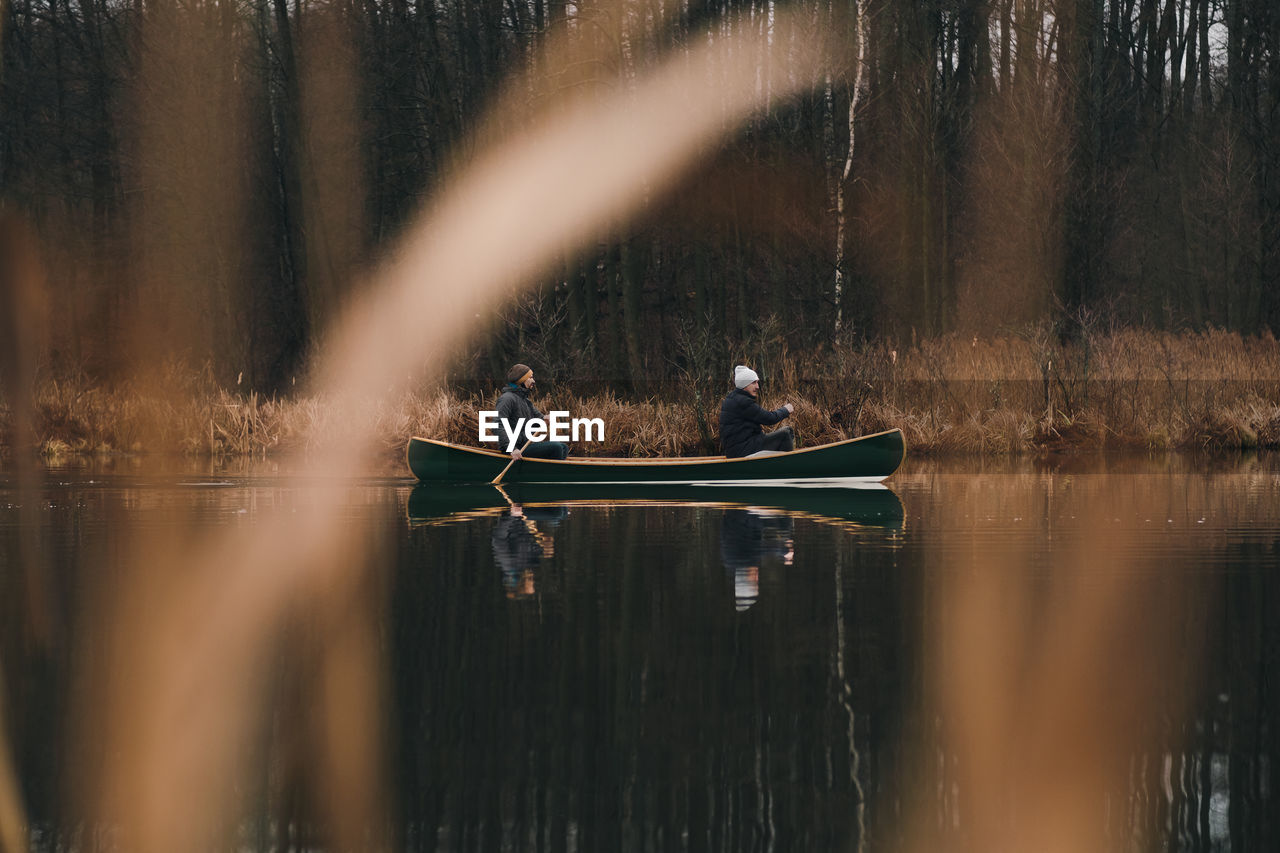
<point x="742" y="420"/>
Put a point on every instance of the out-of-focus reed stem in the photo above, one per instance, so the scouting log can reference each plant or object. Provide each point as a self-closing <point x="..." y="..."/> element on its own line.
<point x="21" y="324"/>
<point x="182" y="695"/>
<point x="13" y="832"/>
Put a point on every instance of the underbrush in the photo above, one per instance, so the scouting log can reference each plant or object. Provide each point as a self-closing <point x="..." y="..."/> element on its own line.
<point x="1015" y="394"/>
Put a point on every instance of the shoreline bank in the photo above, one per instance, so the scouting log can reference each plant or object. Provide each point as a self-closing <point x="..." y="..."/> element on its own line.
<point x="1131" y="390"/>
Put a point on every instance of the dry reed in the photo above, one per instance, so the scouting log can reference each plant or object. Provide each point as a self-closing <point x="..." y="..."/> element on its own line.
<point x="1132" y="389"/>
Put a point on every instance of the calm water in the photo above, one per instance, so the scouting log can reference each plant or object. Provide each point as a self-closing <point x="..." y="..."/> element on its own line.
<point x="977" y="652"/>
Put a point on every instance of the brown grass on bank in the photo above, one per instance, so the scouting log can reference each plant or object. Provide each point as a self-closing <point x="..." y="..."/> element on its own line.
<point x="1212" y="390"/>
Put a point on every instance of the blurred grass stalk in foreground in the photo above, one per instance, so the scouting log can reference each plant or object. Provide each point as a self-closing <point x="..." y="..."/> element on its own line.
<point x="21" y="323"/>
<point x="13" y="828"/>
<point x="181" y="696"/>
<point x="1051" y="677"/>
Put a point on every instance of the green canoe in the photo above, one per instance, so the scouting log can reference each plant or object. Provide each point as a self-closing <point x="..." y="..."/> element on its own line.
<point x="870" y="458"/>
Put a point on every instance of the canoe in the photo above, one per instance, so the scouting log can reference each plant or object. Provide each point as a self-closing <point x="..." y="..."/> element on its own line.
<point x="868" y="459"/>
<point x="869" y="505"/>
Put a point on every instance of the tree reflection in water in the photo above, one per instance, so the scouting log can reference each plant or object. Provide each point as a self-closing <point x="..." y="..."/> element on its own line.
<point x="1032" y="662"/>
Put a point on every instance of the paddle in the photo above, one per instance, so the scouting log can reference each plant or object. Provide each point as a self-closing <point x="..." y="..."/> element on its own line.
<point x="498" y="479"/>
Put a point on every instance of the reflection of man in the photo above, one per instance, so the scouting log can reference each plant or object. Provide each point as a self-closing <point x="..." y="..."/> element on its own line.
<point x="518" y="546"/>
<point x="747" y="537"/>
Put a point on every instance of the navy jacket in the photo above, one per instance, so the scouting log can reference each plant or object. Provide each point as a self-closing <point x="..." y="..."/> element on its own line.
<point x="741" y="419"/>
<point x="513" y="405"/>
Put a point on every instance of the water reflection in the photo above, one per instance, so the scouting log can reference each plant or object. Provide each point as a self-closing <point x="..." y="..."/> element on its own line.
<point x="747" y="538"/>
<point x="1018" y="660"/>
<point x="1009" y="671"/>
<point x="871" y="506"/>
<point x="521" y="540"/>
<point x="634" y="709"/>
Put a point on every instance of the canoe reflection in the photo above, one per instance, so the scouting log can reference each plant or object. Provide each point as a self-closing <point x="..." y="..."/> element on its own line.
<point x="749" y="537"/>
<point x="872" y="506"/>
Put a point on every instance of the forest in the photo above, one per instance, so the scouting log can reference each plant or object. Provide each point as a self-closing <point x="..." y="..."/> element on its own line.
<point x="213" y="178"/>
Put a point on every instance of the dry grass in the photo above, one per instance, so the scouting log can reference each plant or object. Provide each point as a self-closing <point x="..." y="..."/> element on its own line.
<point x="1212" y="390"/>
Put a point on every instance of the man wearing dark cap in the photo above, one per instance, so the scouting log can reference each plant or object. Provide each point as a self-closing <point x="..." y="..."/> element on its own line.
<point x="512" y="406"/>
<point x="742" y="420"/>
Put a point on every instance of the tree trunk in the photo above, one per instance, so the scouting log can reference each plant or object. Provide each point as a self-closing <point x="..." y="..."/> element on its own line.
<point x="613" y="336"/>
<point x="1006" y="35"/>
<point x="855" y="94"/>
<point x="288" y="161"/>
<point x="631" y="263"/>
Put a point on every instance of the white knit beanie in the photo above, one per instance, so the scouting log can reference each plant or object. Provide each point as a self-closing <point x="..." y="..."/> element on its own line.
<point x="744" y="376"/>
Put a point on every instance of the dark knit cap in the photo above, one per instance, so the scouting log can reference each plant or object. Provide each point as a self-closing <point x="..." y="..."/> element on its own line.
<point x="518" y="372"/>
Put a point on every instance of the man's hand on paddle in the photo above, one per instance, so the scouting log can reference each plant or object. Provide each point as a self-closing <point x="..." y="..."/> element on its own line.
<point x="517" y="453"/>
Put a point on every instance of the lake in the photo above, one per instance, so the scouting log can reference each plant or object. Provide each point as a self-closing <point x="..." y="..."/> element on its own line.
<point x="1075" y="652"/>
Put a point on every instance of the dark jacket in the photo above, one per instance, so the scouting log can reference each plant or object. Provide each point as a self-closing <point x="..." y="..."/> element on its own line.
<point x="516" y="549"/>
<point x="748" y="537"/>
<point x="741" y="419"/>
<point x="513" y="405"/>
